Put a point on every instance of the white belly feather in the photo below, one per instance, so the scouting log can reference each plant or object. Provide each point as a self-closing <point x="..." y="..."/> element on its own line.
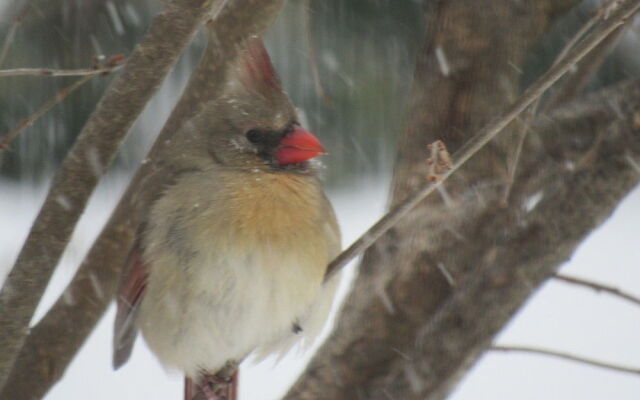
<point x="212" y="298"/>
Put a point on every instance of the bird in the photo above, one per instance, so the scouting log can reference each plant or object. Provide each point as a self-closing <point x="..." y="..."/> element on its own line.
<point x="230" y="259"/>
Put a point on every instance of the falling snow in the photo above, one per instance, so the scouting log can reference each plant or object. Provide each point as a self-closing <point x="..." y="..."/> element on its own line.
<point x="93" y="158"/>
<point x="63" y="202"/>
<point x="442" y="61"/>
<point x="354" y="131"/>
<point x="532" y="201"/>
<point x="96" y="285"/>
<point x="115" y="18"/>
<point x="68" y="298"/>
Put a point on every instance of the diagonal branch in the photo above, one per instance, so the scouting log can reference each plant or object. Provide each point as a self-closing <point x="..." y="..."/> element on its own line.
<point x="53" y="342"/>
<point x="435" y="331"/>
<point x="566" y="356"/>
<point x="90" y="156"/>
<point x="591" y="59"/>
<point x="576" y="81"/>
<point x="485" y="135"/>
<point x="515" y="258"/>
<point x="9" y="137"/>
<point x="112" y="64"/>
<point x="598" y="287"/>
<point x="510" y="260"/>
<point x="15" y="24"/>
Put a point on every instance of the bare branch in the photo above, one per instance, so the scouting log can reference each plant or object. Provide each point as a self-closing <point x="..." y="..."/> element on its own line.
<point x="511" y="259"/>
<point x="561" y="95"/>
<point x="485" y="135"/>
<point x="576" y="81"/>
<point x="57" y="72"/>
<point x="598" y="287"/>
<point x="53" y="342"/>
<point x="504" y="254"/>
<point x="113" y="64"/>
<point x="528" y="252"/>
<point x="8" y="39"/>
<point x="90" y="156"/>
<point x="566" y="356"/>
<point x="515" y="160"/>
<point x="8" y="138"/>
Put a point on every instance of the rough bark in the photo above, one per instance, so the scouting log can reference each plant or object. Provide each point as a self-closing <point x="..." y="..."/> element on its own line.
<point x="407" y="332"/>
<point x="580" y="51"/>
<point x="511" y="252"/>
<point x="54" y="341"/>
<point x="86" y="162"/>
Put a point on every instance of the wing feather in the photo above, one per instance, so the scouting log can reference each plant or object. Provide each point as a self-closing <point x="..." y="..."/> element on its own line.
<point x="129" y="298"/>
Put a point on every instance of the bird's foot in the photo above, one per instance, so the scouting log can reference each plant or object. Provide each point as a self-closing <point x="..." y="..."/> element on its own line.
<point x="212" y="394"/>
<point x="214" y="387"/>
<point x="223" y="384"/>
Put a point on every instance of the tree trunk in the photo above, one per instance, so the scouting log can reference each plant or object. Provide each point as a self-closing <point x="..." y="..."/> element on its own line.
<point x="433" y="292"/>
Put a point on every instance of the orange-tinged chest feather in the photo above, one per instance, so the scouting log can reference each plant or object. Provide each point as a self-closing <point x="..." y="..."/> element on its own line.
<point x="274" y="207"/>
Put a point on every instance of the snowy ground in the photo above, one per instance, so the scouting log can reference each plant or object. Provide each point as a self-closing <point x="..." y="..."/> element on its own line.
<point x="558" y="317"/>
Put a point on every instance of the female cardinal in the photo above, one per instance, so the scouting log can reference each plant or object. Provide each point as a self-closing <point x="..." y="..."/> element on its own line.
<point x="232" y="256"/>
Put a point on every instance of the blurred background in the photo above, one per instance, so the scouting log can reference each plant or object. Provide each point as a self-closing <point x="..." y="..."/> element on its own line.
<point x="352" y="89"/>
<point x="348" y="66"/>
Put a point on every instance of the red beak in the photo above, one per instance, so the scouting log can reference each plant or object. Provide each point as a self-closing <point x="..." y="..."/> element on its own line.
<point x="298" y="146"/>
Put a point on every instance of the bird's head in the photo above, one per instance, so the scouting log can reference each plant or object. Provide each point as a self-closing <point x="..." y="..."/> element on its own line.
<point x="254" y="125"/>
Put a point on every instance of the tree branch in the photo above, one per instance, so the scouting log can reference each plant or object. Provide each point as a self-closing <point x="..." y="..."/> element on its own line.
<point x="533" y="110"/>
<point x="498" y="255"/>
<point x="576" y="81"/>
<point x="53" y="342"/>
<point x="485" y="135"/>
<point x="90" y="156"/>
<point x="58" y="72"/>
<point x="598" y="287"/>
<point x="111" y="65"/>
<point x="511" y="256"/>
<point x="9" y="137"/>
<point x="517" y="252"/>
<point x="8" y="39"/>
<point x="566" y="356"/>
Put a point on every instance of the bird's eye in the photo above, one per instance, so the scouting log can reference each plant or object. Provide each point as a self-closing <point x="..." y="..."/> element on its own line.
<point x="254" y="136"/>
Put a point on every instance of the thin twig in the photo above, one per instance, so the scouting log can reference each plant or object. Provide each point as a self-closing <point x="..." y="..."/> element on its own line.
<point x="579" y="35"/>
<point x="485" y="135"/>
<point x="532" y="112"/>
<point x="567" y="356"/>
<point x="112" y="64"/>
<point x="599" y="287"/>
<point x="515" y="161"/>
<point x="6" y="139"/>
<point x="57" y="72"/>
<point x="8" y="39"/>
<point x="576" y="81"/>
